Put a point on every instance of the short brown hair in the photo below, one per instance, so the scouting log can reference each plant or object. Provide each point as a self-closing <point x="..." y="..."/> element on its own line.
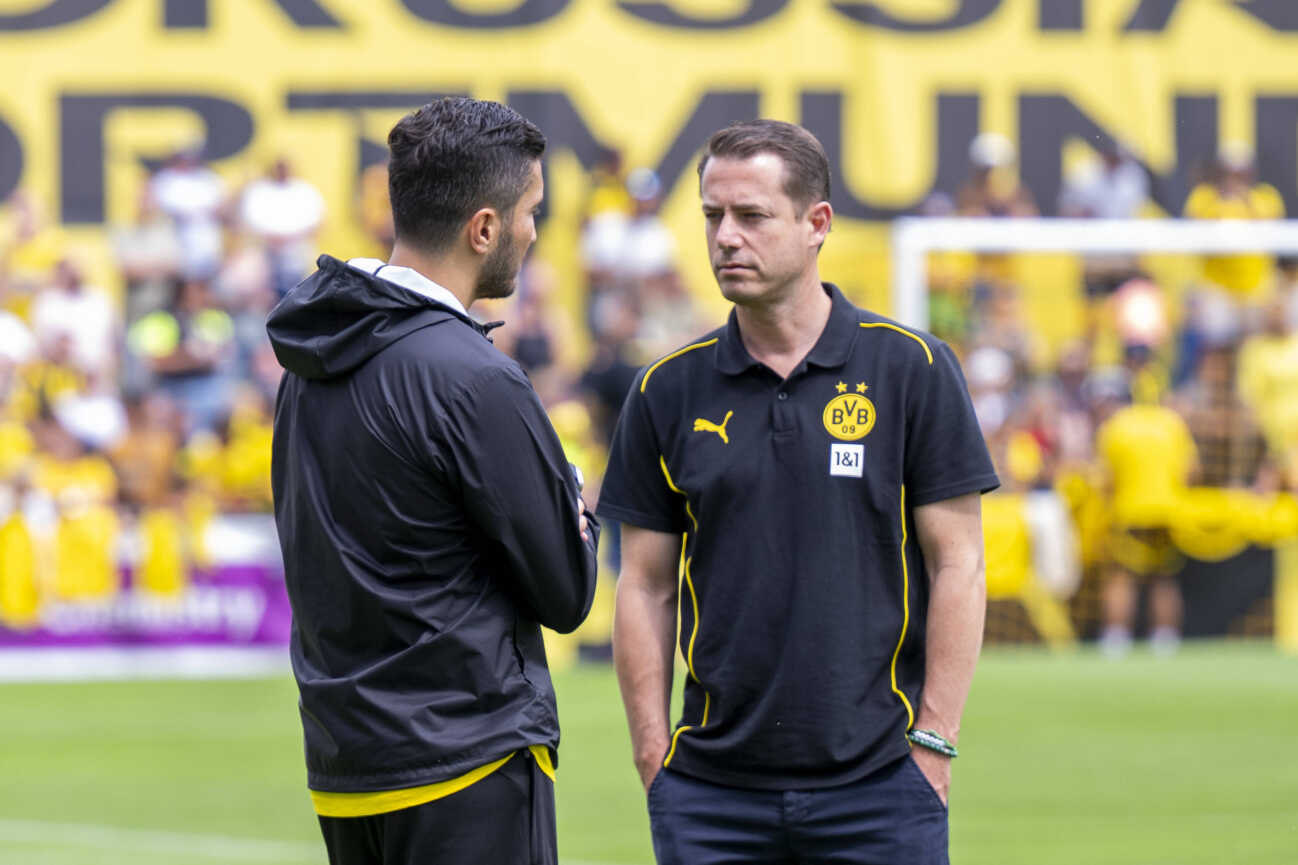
<point x="806" y="178"/>
<point x="452" y="157"/>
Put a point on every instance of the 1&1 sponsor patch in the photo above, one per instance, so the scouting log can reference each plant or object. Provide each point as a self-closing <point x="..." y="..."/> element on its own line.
<point x="846" y="460"/>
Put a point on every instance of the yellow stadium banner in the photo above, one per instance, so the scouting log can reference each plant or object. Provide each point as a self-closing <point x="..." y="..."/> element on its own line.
<point x="896" y="89"/>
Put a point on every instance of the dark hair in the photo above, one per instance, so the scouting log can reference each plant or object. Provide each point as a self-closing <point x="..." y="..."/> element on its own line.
<point x="806" y="167"/>
<point x="453" y="157"/>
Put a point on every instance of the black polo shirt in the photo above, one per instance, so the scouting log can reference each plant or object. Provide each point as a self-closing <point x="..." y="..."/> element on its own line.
<point x="804" y="594"/>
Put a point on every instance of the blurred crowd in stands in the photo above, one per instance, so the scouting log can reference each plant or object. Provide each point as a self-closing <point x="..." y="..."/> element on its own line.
<point x="150" y="410"/>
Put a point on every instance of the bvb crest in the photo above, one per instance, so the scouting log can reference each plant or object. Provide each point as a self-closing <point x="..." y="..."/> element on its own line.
<point x="849" y="416"/>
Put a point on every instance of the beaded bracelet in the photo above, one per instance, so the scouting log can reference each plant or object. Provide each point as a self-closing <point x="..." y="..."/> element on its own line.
<point x="932" y="741"/>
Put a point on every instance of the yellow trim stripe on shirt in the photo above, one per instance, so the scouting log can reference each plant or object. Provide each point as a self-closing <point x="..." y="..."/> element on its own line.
<point x="905" y="618"/>
<point x="689" y="663"/>
<point x="385" y="801"/>
<point x="694" y="601"/>
<point x="644" y="381"/>
<point x="668" y="475"/>
<point x="900" y="330"/>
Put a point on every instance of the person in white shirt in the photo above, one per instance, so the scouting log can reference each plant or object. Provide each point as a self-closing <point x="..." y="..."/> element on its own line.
<point x="68" y="308"/>
<point x="1114" y="186"/>
<point x="283" y="212"/>
<point x="194" y="197"/>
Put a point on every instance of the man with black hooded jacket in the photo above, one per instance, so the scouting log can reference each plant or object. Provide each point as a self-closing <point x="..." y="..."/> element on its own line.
<point x="429" y="520"/>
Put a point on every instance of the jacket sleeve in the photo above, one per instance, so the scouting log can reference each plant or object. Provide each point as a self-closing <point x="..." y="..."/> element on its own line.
<point x="521" y="497"/>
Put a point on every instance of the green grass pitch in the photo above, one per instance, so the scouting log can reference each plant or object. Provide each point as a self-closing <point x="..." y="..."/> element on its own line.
<point x="1066" y="760"/>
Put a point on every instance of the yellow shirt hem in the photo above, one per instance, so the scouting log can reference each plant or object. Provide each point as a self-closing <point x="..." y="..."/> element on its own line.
<point x="384" y="801"/>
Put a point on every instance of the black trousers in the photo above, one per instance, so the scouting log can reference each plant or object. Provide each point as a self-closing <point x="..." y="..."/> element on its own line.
<point x="507" y="818"/>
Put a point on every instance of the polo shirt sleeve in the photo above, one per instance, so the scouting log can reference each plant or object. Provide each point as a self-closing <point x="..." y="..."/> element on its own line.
<point x="945" y="452"/>
<point x="635" y="490"/>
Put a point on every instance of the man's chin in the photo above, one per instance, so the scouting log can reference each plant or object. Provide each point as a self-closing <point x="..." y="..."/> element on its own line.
<point x="738" y="287"/>
<point x="497" y="290"/>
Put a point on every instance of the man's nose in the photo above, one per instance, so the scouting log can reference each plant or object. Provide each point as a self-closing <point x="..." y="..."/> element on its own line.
<point x="728" y="235"/>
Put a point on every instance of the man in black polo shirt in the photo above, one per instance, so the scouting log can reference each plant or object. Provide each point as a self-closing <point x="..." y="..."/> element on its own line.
<point x="823" y="465"/>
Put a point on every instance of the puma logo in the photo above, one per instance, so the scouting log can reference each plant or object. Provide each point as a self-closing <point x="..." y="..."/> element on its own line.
<point x="702" y="424"/>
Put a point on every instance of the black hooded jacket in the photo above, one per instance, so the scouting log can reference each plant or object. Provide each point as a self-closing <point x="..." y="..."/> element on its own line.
<point x="428" y="519"/>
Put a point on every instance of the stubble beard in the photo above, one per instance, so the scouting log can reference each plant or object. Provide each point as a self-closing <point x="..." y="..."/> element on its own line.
<point x="499" y="274"/>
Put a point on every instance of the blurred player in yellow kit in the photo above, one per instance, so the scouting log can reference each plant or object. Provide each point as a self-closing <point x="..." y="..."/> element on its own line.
<point x="1148" y="456"/>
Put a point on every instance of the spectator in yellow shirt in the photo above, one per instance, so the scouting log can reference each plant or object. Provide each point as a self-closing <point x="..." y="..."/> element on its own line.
<point x="83" y="488"/>
<point x="1268" y="384"/>
<point x="145" y="458"/>
<point x="1233" y="193"/>
<point x="1147" y="455"/>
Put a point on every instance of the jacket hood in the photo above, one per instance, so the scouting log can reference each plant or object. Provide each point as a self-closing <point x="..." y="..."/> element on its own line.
<point x="339" y="317"/>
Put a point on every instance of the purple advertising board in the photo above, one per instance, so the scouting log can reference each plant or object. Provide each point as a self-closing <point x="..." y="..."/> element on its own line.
<point x="231" y="618"/>
<point x="233" y="605"/>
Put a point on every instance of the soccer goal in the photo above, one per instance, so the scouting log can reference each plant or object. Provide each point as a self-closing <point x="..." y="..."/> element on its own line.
<point x="914" y="239"/>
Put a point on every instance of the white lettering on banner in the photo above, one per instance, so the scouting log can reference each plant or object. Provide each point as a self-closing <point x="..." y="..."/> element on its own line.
<point x="242" y="612"/>
<point x="230" y="611"/>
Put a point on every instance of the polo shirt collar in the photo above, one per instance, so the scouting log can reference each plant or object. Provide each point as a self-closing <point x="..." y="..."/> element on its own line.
<point x="836" y="340"/>
<point x="831" y="349"/>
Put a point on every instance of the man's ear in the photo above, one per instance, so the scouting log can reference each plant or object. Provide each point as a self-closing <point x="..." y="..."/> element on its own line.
<point x="483" y="230"/>
<point x="821" y="217"/>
